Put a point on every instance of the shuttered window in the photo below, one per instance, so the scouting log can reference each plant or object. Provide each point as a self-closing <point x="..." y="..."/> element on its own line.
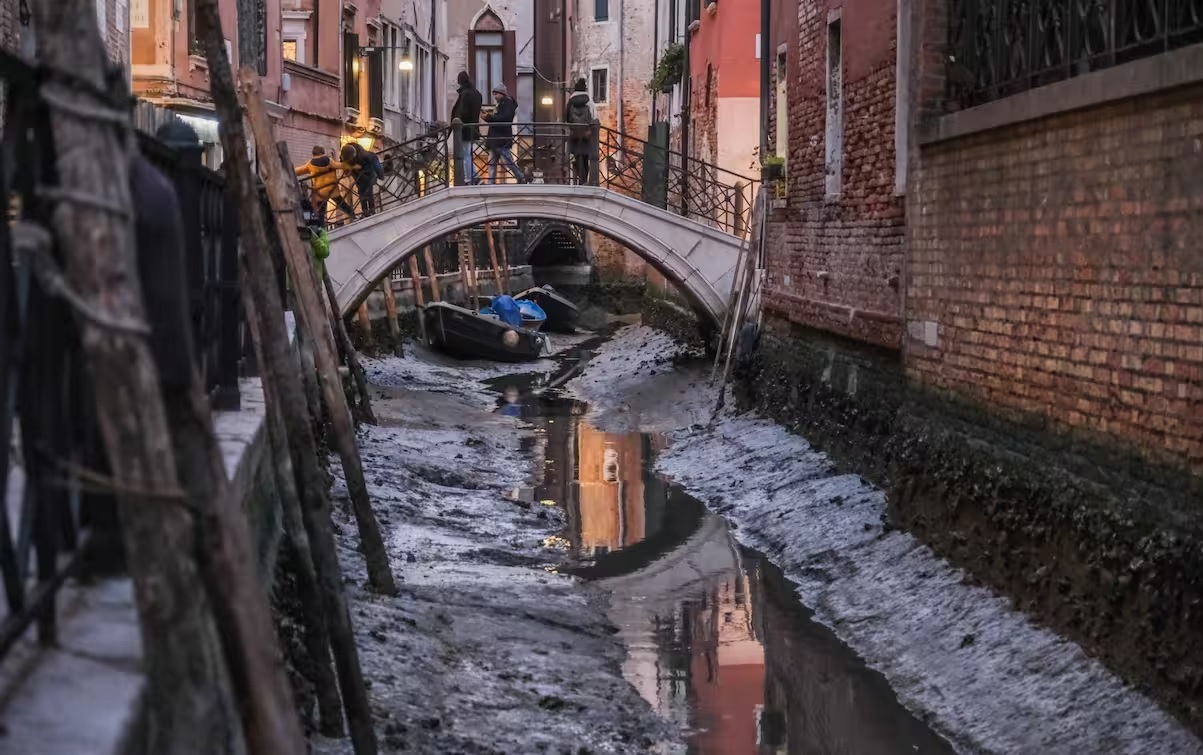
<point x="351" y="69"/>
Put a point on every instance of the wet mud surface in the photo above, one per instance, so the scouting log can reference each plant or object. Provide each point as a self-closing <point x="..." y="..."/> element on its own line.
<point x="957" y="655"/>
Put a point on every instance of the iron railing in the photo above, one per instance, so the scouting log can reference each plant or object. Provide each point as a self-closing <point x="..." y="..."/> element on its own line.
<point x="539" y="153"/>
<point x="50" y="522"/>
<point x="56" y="524"/>
<point x="998" y="48"/>
<point x="210" y="220"/>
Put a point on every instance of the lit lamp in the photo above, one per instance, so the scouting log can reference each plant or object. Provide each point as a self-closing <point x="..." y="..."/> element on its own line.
<point x="547" y="100"/>
<point x="406" y="63"/>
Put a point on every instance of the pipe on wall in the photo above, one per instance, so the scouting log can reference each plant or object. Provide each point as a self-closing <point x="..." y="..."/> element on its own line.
<point x="765" y="78"/>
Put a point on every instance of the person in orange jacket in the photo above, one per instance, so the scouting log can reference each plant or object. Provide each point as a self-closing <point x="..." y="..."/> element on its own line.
<point x="324" y="183"/>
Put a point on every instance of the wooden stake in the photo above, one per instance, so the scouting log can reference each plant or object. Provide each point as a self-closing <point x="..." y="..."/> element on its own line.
<point x="282" y="192"/>
<point x="261" y="298"/>
<point x="505" y="262"/>
<point x="390" y="308"/>
<point x="419" y="298"/>
<point x="365" y="323"/>
<point x="432" y="274"/>
<point x="186" y="694"/>
<point x="497" y="281"/>
<point x="353" y="364"/>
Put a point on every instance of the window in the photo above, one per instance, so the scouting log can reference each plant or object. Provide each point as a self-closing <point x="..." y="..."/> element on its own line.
<point x="252" y="34"/>
<point x="489" y="68"/>
<point x="835" y="108"/>
<point x="600" y="85"/>
<point x="394" y="48"/>
<point x="423" y="108"/>
<point x="902" y="78"/>
<point x="601" y="10"/>
<point x="709" y="83"/>
<point x="294" y="30"/>
<point x="351" y="69"/>
<point x="196" y="45"/>
<point x="492" y="55"/>
<point x="782" y="114"/>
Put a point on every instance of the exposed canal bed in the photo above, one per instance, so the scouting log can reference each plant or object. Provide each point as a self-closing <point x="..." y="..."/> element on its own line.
<point x="599" y="577"/>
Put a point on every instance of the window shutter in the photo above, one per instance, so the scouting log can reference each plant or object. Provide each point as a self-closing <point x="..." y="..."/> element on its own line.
<point x="376" y="84"/>
<point x="472" y="56"/>
<point x="509" y="63"/>
<point x="350" y="79"/>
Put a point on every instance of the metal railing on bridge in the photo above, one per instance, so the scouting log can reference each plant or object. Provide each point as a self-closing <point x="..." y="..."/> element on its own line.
<point x="547" y="153"/>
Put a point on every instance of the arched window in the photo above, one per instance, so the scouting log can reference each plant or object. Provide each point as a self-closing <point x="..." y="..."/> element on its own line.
<point x="491" y="58"/>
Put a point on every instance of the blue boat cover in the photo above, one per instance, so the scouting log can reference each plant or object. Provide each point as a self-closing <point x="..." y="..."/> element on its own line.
<point x="531" y="311"/>
<point x="507" y="309"/>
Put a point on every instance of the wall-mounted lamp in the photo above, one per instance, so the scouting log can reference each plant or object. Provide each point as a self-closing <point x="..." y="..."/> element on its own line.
<point x="547" y="100"/>
<point x="406" y="63"/>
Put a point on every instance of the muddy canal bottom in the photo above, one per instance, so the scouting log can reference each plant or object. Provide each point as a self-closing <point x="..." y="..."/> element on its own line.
<point x="717" y="641"/>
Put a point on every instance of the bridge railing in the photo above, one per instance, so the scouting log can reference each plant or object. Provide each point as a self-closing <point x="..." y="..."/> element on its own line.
<point x="547" y="153"/>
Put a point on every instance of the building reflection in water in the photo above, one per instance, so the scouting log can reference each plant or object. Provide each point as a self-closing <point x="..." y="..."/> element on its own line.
<point x="717" y="641"/>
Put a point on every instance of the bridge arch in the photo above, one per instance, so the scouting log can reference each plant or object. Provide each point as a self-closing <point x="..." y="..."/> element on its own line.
<point x="698" y="259"/>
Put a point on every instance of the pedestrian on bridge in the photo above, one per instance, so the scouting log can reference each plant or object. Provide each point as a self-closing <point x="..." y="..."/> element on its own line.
<point x="578" y="114"/>
<point x="324" y="185"/>
<point x="501" y="134"/>
<point x="467" y="111"/>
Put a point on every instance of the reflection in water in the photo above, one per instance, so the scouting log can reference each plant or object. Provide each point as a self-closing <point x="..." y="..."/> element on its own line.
<point x="716" y="639"/>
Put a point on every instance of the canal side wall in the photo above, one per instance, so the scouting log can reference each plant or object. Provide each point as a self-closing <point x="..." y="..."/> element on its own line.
<point x="1099" y="545"/>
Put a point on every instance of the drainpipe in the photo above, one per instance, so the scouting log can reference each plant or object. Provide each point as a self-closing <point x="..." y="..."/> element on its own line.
<point x="434" y="61"/>
<point x="317" y="33"/>
<point x="655" y="56"/>
<point x="622" y="18"/>
<point x="686" y="104"/>
<point x="765" y="9"/>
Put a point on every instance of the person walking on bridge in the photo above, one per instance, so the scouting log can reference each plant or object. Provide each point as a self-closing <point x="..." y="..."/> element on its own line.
<point x="467" y="111"/>
<point x="501" y="134"/>
<point x="578" y="114"/>
<point x="324" y="185"/>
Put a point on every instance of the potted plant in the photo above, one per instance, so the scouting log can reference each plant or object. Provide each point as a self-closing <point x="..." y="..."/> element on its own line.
<point x="772" y="168"/>
<point x="669" y="70"/>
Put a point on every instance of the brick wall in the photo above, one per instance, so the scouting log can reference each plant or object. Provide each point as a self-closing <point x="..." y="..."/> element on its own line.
<point x="835" y="263"/>
<point x="1055" y="271"/>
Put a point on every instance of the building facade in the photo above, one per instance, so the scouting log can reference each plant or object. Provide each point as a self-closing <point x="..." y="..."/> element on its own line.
<point x="836" y="235"/>
<point x="494" y="43"/>
<point x="415" y="94"/>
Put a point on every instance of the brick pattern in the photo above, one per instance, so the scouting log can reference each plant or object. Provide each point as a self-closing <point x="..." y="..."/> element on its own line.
<point x="1059" y="261"/>
<point x="835" y="263"/>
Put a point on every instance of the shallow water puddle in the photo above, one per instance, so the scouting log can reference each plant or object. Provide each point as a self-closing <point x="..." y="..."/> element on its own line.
<point x="717" y="641"/>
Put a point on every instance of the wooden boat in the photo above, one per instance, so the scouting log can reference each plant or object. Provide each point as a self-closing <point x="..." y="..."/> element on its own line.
<point x="562" y="314"/>
<point x="465" y="334"/>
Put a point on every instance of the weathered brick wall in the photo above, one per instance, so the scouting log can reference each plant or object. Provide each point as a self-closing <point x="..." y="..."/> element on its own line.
<point x="835" y="263"/>
<point x="1055" y="270"/>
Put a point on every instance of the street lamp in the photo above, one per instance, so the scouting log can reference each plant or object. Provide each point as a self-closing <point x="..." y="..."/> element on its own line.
<point x="547" y="100"/>
<point x="405" y="64"/>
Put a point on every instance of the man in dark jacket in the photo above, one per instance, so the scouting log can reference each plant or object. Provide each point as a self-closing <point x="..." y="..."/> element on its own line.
<point x="501" y="134"/>
<point x="578" y="114"/>
<point x="368" y="171"/>
<point x="467" y="111"/>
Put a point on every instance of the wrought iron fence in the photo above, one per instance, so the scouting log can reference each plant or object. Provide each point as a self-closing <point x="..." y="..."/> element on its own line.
<point x="211" y="234"/>
<point x="997" y="48"/>
<point x="50" y="522"/>
<point x="532" y="153"/>
<point x="56" y="524"/>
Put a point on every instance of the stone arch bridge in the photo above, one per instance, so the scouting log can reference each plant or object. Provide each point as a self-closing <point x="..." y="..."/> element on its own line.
<point x="633" y="185"/>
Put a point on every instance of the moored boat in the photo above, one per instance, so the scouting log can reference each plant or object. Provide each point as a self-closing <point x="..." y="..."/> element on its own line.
<point x="561" y="314"/>
<point x="465" y="334"/>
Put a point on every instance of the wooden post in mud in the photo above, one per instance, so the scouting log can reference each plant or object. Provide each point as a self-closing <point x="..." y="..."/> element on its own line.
<point x="432" y="274"/>
<point x="497" y="281"/>
<point x="285" y="399"/>
<point x="419" y="297"/>
<point x="282" y="193"/>
<point x="261" y="298"/>
<point x="390" y="308"/>
<point x="353" y="364"/>
<point x="505" y="260"/>
<point x="365" y="324"/>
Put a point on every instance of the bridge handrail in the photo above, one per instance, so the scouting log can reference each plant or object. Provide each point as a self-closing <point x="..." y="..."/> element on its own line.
<point x="541" y="152"/>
